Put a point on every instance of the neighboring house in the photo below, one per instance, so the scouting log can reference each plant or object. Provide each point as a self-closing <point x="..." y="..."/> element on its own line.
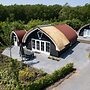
<point x="16" y="37"/>
<point x="50" y="39"/>
<point x="84" y="31"/>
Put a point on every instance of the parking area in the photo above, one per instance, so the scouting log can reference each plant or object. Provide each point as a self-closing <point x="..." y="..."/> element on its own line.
<point x="78" y="54"/>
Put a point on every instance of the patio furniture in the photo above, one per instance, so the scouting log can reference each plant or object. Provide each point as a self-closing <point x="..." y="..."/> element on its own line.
<point x="28" y="53"/>
<point x="25" y="53"/>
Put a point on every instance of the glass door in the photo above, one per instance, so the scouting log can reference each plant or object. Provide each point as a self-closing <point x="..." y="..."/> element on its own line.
<point x="37" y="45"/>
<point x="41" y="46"/>
<point x="33" y="44"/>
<point x="47" y="47"/>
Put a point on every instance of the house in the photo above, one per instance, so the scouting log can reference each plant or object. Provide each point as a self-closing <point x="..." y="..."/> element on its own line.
<point x="16" y="37"/>
<point x="50" y="39"/>
<point x="84" y="31"/>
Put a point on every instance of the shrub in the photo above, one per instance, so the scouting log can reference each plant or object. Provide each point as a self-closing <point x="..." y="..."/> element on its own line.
<point x="26" y="74"/>
<point x="49" y="79"/>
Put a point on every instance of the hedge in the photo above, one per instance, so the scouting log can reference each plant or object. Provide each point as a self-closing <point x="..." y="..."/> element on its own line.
<point x="50" y="78"/>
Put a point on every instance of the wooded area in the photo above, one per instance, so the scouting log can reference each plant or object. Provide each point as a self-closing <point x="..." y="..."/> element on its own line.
<point x="42" y="12"/>
<point x="27" y="16"/>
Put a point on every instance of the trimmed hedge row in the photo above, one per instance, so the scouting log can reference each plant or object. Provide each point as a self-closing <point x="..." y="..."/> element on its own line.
<point x="50" y="78"/>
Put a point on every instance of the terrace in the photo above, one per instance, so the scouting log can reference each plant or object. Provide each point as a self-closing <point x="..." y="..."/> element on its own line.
<point x="77" y="54"/>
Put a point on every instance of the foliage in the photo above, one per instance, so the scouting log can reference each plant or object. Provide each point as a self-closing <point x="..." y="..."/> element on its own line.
<point x="30" y="74"/>
<point x="29" y="16"/>
<point x="6" y="28"/>
<point x="44" y="12"/>
<point x="74" y="23"/>
<point x="9" y="74"/>
<point x="34" y="23"/>
<point x="49" y="79"/>
<point x="28" y="12"/>
<point x="14" y="74"/>
<point x="25" y="74"/>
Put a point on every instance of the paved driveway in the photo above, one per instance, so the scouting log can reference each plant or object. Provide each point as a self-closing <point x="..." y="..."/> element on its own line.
<point x="79" y="81"/>
<point x="77" y="54"/>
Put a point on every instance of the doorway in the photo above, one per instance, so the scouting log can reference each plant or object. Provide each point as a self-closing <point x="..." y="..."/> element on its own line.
<point x="41" y="46"/>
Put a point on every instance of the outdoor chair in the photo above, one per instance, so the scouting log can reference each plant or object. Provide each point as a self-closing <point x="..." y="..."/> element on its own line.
<point x="25" y="53"/>
<point x="28" y="53"/>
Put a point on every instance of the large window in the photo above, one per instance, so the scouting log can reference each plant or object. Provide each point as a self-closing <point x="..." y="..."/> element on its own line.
<point x="47" y="47"/>
<point x="38" y="45"/>
<point x="42" y="46"/>
<point x="33" y="44"/>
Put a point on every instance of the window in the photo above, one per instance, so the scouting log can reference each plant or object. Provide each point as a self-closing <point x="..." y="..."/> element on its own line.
<point x="86" y="33"/>
<point x="15" y="38"/>
<point x="33" y="44"/>
<point x="38" y="45"/>
<point x="42" y="46"/>
<point x="39" y="33"/>
<point x="47" y="47"/>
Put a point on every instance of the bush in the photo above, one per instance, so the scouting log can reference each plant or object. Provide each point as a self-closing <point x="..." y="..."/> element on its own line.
<point x="74" y="23"/>
<point x="34" y="23"/>
<point x="49" y="79"/>
<point x="26" y="75"/>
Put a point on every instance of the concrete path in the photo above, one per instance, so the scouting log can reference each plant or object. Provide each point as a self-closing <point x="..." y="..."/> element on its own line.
<point x="79" y="81"/>
<point x="77" y="54"/>
<point x="12" y="52"/>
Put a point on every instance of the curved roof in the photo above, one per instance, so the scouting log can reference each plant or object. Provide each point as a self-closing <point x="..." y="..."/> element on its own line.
<point x="68" y="31"/>
<point x="61" y="35"/>
<point x="19" y="34"/>
<point x="83" y="27"/>
<point x="59" y="38"/>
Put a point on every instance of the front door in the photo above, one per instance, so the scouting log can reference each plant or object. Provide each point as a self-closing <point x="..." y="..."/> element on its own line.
<point x="41" y="46"/>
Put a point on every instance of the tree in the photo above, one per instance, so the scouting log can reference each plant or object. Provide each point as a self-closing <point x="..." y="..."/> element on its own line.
<point x="74" y="23"/>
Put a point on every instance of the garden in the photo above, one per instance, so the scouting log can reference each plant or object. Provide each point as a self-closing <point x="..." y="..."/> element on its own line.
<point x="14" y="75"/>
